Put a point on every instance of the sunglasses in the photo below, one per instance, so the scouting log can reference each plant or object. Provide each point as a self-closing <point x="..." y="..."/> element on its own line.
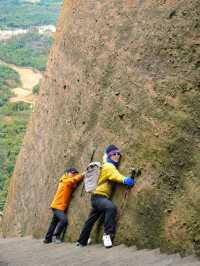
<point x="116" y="153"/>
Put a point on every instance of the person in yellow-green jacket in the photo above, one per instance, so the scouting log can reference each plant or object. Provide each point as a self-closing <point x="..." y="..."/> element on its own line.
<point x="100" y="199"/>
<point x="60" y="204"/>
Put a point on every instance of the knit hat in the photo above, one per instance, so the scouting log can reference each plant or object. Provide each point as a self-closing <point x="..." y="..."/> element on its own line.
<point x="72" y="170"/>
<point x="112" y="149"/>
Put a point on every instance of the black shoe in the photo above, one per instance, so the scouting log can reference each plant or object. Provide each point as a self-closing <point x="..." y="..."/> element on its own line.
<point x="47" y="241"/>
<point x="79" y="245"/>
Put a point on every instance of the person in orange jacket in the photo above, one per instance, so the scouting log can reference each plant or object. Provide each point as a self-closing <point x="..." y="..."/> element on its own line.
<point x="60" y="204"/>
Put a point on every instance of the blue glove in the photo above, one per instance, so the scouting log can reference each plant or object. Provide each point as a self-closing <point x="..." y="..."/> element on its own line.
<point x="128" y="181"/>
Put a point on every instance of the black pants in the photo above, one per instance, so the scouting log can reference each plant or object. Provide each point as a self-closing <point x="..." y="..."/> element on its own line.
<point x="100" y="206"/>
<point x="58" y="224"/>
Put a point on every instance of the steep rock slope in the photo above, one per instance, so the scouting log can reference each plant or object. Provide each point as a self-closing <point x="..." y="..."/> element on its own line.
<point x="123" y="72"/>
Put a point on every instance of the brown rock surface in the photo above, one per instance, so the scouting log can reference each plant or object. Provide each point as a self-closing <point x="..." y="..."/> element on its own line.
<point x="123" y="72"/>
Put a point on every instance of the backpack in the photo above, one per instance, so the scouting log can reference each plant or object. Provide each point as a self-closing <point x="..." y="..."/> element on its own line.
<point x="92" y="176"/>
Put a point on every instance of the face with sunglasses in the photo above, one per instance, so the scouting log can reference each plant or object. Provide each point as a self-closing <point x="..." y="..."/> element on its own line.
<point x="114" y="155"/>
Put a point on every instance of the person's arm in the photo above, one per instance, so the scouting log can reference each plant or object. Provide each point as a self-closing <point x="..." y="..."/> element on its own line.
<point x="78" y="178"/>
<point x="113" y="174"/>
<point x="73" y="181"/>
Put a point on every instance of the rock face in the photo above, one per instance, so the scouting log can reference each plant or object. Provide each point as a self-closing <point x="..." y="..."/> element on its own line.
<point x="123" y="72"/>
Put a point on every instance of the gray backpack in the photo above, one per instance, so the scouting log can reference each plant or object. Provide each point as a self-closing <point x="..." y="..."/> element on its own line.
<point x="92" y="176"/>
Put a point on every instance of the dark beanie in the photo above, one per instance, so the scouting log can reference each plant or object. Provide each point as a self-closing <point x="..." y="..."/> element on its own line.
<point x="111" y="148"/>
<point x="72" y="170"/>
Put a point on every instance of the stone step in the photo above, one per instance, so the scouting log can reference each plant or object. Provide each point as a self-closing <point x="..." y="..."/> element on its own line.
<point x="31" y="252"/>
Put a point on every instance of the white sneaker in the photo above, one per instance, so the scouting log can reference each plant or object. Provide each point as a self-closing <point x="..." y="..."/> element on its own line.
<point x="89" y="242"/>
<point x="58" y="241"/>
<point x="107" y="241"/>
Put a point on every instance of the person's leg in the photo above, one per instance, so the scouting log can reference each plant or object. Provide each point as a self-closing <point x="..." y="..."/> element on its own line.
<point x="110" y="219"/>
<point x="104" y="205"/>
<point x="110" y="212"/>
<point x="62" y="237"/>
<point x="62" y="224"/>
<point x="51" y="229"/>
<point x="85" y="233"/>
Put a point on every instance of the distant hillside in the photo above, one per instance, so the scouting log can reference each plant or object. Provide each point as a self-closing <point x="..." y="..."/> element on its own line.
<point x="26" y="14"/>
<point x="13" y="121"/>
<point x="29" y="49"/>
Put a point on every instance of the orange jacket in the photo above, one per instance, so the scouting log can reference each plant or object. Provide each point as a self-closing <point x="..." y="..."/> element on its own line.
<point x="65" y="188"/>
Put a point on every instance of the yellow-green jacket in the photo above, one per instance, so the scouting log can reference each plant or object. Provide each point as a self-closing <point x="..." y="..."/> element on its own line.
<point x="109" y="174"/>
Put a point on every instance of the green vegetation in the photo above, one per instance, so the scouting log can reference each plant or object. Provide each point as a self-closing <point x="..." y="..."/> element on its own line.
<point x="8" y="79"/>
<point x="36" y="89"/>
<point x="30" y="49"/>
<point x="14" y="117"/>
<point x="7" y="74"/>
<point x="23" y="14"/>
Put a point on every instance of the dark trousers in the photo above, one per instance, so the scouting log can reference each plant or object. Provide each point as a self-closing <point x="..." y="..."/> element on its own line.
<point x="58" y="224"/>
<point x="100" y="206"/>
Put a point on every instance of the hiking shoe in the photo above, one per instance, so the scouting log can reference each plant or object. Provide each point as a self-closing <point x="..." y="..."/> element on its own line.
<point x="47" y="241"/>
<point x="89" y="242"/>
<point x="79" y="245"/>
<point x="58" y="240"/>
<point x="107" y="241"/>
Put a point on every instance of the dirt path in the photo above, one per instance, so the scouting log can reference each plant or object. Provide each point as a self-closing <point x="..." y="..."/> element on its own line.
<point x="30" y="252"/>
<point x="29" y="78"/>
